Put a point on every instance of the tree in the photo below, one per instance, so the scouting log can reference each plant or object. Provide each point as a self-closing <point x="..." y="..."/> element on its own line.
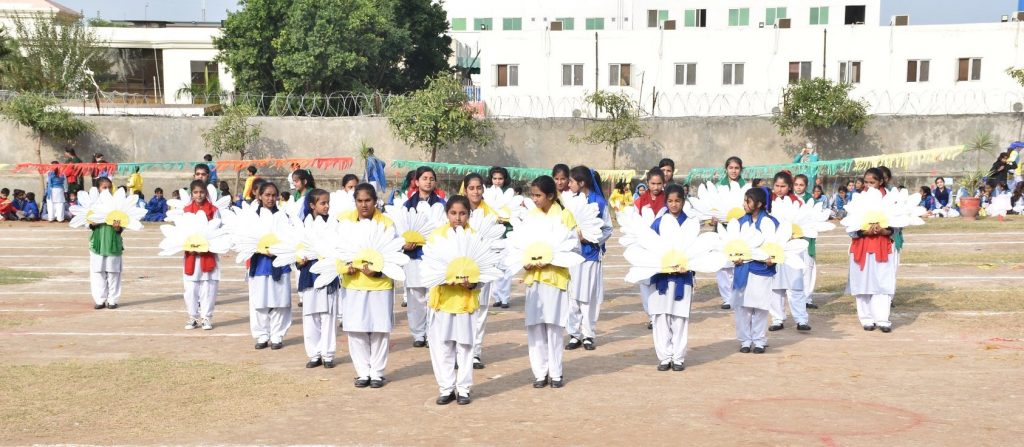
<point x="45" y="118"/>
<point x="981" y="143"/>
<point x="622" y="122"/>
<point x="820" y="106"/>
<point x="427" y="23"/>
<point x="56" y="53"/>
<point x="233" y="133"/>
<point x="1017" y="74"/>
<point x="247" y="44"/>
<point x="436" y="116"/>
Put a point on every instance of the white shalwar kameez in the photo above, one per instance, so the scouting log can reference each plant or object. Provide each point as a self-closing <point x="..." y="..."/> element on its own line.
<point x="451" y="343"/>
<point x="788" y="282"/>
<point x="319" y="328"/>
<point x="586" y="287"/>
<point x="873" y="287"/>
<point x="547" y="315"/>
<point x="368" y="319"/>
<point x="105" y="278"/>
<point x="671" y="322"/>
<point x="416" y="295"/>
<point x="201" y="290"/>
<point x="270" y="307"/>
<point x="750" y="305"/>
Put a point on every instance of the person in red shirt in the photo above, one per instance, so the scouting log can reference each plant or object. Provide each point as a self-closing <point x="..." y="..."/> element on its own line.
<point x="782" y="186"/>
<point x="654" y="196"/>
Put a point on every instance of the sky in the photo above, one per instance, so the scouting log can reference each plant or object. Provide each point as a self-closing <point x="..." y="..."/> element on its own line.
<point x="922" y="12"/>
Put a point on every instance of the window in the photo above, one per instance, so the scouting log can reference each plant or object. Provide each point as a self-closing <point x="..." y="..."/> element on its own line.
<point x="512" y="24"/>
<point x="508" y="76"/>
<point x="819" y="15"/>
<point x="483" y="24"/>
<point x="572" y="75"/>
<point x="771" y="14"/>
<point x="799" y="71"/>
<point x="855" y="15"/>
<point x="917" y="70"/>
<point x="849" y="72"/>
<point x="204" y="73"/>
<point x="135" y="70"/>
<point x="739" y="17"/>
<point x="732" y="74"/>
<point x="969" y="69"/>
<point x="567" y="23"/>
<point x="655" y="17"/>
<point x="618" y="75"/>
<point x="695" y="18"/>
<point x="686" y="74"/>
<point x="459" y="24"/>
<point x="595" y="23"/>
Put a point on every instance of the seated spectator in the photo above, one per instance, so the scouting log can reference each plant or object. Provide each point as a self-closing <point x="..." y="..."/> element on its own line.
<point x="1017" y="199"/>
<point x="156" y="209"/>
<point x="927" y="201"/>
<point x="839" y="201"/>
<point x="31" y="209"/>
<point x="818" y="196"/>
<point x="7" y="211"/>
<point x="941" y="193"/>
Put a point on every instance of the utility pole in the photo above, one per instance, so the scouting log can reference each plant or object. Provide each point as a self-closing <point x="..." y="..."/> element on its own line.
<point x="597" y="71"/>
<point x="824" y="54"/>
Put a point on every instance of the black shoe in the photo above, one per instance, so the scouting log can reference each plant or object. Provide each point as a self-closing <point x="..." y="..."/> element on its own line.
<point x="726" y="306"/>
<point x="504" y="305"/>
<point x="314" y="363"/>
<point x="445" y="400"/>
<point x="678" y="366"/>
<point x="99" y="306"/>
<point x="775" y="327"/>
<point x="812" y="306"/>
<point x="419" y="343"/>
<point x="477" y="364"/>
<point x="540" y="383"/>
<point x="276" y="346"/>
<point x="362" y="383"/>
<point x="405" y="304"/>
<point x="262" y="345"/>
<point x="803" y="327"/>
<point x="650" y="325"/>
<point x="869" y="327"/>
<point x="328" y="364"/>
<point x="758" y="350"/>
<point x="557" y="383"/>
<point x="664" y="366"/>
<point x="377" y="383"/>
<point x="111" y="306"/>
<point x="463" y="400"/>
<point x="886" y="329"/>
<point x="745" y="349"/>
<point x="588" y="344"/>
<point x="574" y="343"/>
<point x="300" y="303"/>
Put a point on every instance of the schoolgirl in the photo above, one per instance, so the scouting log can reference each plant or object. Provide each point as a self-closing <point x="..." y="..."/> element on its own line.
<point x="873" y="267"/>
<point x="787" y="282"/>
<point x="671" y="297"/>
<point x="753" y="293"/>
<point x="202" y="270"/>
<point x="733" y="173"/>
<point x="586" y="289"/>
<point x="415" y="293"/>
<point x="320" y="304"/>
<point x="270" y="295"/>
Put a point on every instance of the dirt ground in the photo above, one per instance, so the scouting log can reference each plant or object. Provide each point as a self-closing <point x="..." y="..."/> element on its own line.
<point x="949" y="374"/>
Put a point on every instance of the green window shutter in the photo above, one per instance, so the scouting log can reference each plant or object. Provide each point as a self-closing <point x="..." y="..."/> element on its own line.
<point x="458" y="24"/>
<point x="690" y="18"/>
<point x="823" y="15"/>
<point x="744" y="16"/>
<point x="567" y="23"/>
<point x="734" y="17"/>
<point x="506" y="24"/>
<point x="488" y="23"/>
<point x="662" y="16"/>
<point x="769" y="16"/>
<point x="780" y="13"/>
<point x="814" y="16"/>
<point x="595" y="23"/>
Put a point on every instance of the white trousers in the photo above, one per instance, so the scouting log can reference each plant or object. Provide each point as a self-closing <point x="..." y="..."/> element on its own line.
<point x="501" y="289"/>
<point x="724" y="277"/>
<point x="751" y="326"/>
<point x="54" y="211"/>
<point x="583" y="318"/>
<point x="480" y="320"/>
<point x="369" y="353"/>
<point x="417" y="311"/>
<point x="545" y="342"/>
<point x="320" y="334"/>
<point x="797" y="306"/>
<point x="670" y="337"/>
<point x="874" y="309"/>
<point x="200" y="298"/>
<point x="105" y="287"/>
<point x="269" y="323"/>
<point x="443" y="357"/>
<point x="810" y="277"/>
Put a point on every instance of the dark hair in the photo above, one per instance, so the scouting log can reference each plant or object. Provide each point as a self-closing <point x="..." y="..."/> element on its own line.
<point x="265" y="186"/>
<point x="367" y="188"/>
<point x="208" y="157"/>
<point x="926" y="191"/>
<point x="758" y="196"/>
<point x="807" y="181"/>
<point x="583" y="176"/>
<point x="18" y="192"/>
<point x="287" y="196"/>
<point x="1017" y="192"/>
<point x="141" y="196"/>
<point x="886" y="175"/>
<point x="675" y="189"/>
<point x="348" y="178"/>
<point x="257" y="185"/>
<point x="940" y="178"/>
<point x="756" y="182"/>
<point x="31" y="196"/>
<point x="55" y="162"/>
<point x="843" y="189"/>
<point x="423" y="170"/>
<point x="408" y="180"/>
<point x="818" y="188"/>
<point x="196" y="184"/>
<point x="654" y="172"/>
<point x="102" y="180"/>
<point x="620" y="185"/>
<point x="305" y="178"/>
<point x="315" y="195"/>
<point x="497" y="170"/>
<point x="785" y="176"/>
<point x="201" y="167"/>
<point x="876" y="173"/>
<point x="667" y="162"/>
<point x="471" y="176"/>
<point x="136" y="169"/>
<point x="70" y="150"/>
<point x="560" y="168"/>
<point x="546" y="185"/>
<point x="462" y="200"/>
<point x="158" y="191"/>
<point x="251" y="169"/>
<point x="736" y="159"/>
<point x="5" y="191"/>
<point x="223" y="187"/>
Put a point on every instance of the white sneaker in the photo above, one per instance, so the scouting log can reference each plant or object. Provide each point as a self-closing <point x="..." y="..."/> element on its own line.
<point x="207" y="324"/>
<point x="192" y="323"/>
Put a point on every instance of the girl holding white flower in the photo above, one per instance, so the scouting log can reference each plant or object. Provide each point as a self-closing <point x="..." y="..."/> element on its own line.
<point x="752" y="279"/>
<point x="202" y="270"/>
<point x="105" y="249"/>
<point x="270" y="303"/>
<point x="873" y="258"/>
<point x="320" y="304"/>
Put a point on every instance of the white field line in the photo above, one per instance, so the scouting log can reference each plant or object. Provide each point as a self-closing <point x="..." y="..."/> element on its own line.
<point x="516" y="312"/>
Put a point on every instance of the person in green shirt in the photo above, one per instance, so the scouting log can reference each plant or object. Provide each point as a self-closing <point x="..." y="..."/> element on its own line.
<point x="733" y="173"/>
<point x="808" y="155"/>
<point x="105" y="248"/>
<point x="800" y="183"/>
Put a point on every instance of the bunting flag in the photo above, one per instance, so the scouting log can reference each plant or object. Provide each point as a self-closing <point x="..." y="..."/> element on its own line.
<point x="833" y="167"/>
<point x="616" y="175"/>
<point x="66" y="168"/>
<point x="339" y="163"/>
<point x="522" y="174"/>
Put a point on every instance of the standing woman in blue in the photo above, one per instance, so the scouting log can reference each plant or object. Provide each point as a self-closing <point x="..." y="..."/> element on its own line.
<point x="415" y="293"/>
<point x="586" y="286"/>
<point x="752" y="292"/>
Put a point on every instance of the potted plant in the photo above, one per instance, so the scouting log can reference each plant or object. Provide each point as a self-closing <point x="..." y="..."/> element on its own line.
<point x="969" y="205"/>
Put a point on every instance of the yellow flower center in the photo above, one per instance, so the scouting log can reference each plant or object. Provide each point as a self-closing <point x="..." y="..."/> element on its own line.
<point x="371" y="258"/>
<point x="874" y="217"/>
<point x="196" y="243"/>
<point x="117" y="216"/>
<point x="538" y="253"/>
<point x="776" y="253"/>
<point x="737" y="250"/>
<point x="462" y="269"/>
<point x="734" y="213"/>
<point x="265" y="242"/>
<point x="413" y="237"/>
<point x="797" y="232"/>
<point x="673" y="261"/>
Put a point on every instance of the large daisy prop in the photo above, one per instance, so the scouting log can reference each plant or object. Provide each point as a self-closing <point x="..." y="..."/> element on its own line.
<point x="176" y="207"/>
<point x="587" y="215"/>
<point x="463" y="256"/>
<point x="504" y="202"/>
<point x="872" y="208"/>
<point x="118" y="207"/>
<point x="807" y="219"/>
<point x="192" y="232"/>
<point x="296" y="244"/>
<point x="720" y="202"/>
<point x="488" y="227"/>
<point x="341" y="202"/>
<point x="541" y="240"/>
<point x="676" y="249"/>
<point x="635" y="224"/>
<point x="82" y="211"/>
<point x="256" y="230"/>
<point x="780" y="246"/>
<point x="358" y="244"/>
<point x="741" y="242"/>
<point x="415" y="225"/>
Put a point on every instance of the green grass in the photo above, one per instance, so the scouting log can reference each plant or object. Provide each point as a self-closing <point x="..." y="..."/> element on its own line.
<point x="960" y="225"/>
<point x="922" y="254"/>
<point x="9" y="276"/>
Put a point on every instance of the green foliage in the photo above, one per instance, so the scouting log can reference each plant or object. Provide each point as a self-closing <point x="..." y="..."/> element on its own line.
<point x="57" y="54"/>
<point x="43" y="115"/>
<point x="1017" y="74"/>
<point x="104" y="23"/>
<point x="208" y="92"/>
<point x="818" y="105"/>
<point x="436" y="116"/>
<point x="973" y="180"/>
<point x="233" y="132"/>
<point x="981" y="143"/>
<point x="622" y="122"/>
<point x="327" y="46"/>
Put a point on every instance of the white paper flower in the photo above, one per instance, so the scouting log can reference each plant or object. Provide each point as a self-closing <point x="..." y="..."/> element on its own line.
<point x="296" y="244"/>
<point x="871" y="207"/>
<point x="635" y="224"/>
<point x="677" y="247"/>
<point x="341" y="202"/>
<point x="741" y="242"/>
<point x="720" y="202"/>
<point x="587" y="215"/>
<point x="255" y="230"/>
<point x="462" y="256"/>
<point x="82" y="211"/>
<point x="415" y="225"/>
<point x="540" y="239"/>
<point x="808" y="219"/>
<point x="361" y="243"/>
<point x="999" y="206"/>
<point x="780" y="245"/>
<point x="193" y="232"/>
<point x="487" y="226"/>
<point x="505" y="203"/>
<point x="176" y="207"/>
<point x="118" y="207"/>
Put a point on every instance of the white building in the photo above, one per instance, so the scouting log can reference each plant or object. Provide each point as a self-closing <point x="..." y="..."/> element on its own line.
<point x="726" y="57"/>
